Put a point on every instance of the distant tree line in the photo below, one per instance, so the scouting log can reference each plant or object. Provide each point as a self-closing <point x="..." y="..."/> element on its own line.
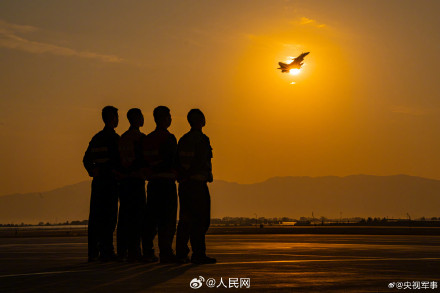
<point x="245" y="221"/>
<point x="376" y="221"/>
<point x="83" y="222"/>
<point x="303" y="221"/>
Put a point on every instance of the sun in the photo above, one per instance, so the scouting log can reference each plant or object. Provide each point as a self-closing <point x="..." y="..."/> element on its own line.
<point x="294" y="71"/>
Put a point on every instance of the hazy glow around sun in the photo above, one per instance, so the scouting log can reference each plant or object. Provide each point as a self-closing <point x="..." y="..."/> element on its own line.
<point x="294" y="71"/>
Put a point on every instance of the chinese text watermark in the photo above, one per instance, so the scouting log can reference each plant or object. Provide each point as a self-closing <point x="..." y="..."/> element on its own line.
<point x="413" y="285"/>
<point x="227" y="283"/>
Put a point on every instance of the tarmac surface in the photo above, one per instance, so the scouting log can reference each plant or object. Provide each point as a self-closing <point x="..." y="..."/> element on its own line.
<point x="265" y="263"/>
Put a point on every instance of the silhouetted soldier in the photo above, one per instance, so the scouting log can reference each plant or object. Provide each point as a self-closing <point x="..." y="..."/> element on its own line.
<point x="159" y="150"/>
<point x="132" y="200"/>
<point x="195" y="170"/>
<point x="101" y="161"/>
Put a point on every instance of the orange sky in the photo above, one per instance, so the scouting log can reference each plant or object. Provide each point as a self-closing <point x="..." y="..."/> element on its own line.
<point x="367" y="100"/>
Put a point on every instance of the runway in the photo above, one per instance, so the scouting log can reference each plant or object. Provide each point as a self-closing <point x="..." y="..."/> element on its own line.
<point x="253" y="263"/>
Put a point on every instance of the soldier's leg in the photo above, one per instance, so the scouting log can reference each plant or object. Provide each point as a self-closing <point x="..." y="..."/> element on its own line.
<point x="167" y="218"/>
<point x="123" y="221"/>
<point x="206" y="217"/>
<point x="113" y="217"/>
<point x="109" y="211"/>
<point x="137" y="207"/>
<point x="93" y="229"/>
<point x="149" y="229"/>
<point x="202" y="218"/>
<point x="184" y="226"/>
<point x="100" y="190"/>
<point x="129" y="218"/>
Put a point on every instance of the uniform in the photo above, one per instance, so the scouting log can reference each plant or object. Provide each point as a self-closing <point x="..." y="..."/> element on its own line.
<point x="132" y="195"/>
<point x="195" y="170"/>
<point x="101" y="160"/>
<point x="159" y="151"/>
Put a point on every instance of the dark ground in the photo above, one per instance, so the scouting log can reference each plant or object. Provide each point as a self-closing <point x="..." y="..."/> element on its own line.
<point x="273" y="262"/>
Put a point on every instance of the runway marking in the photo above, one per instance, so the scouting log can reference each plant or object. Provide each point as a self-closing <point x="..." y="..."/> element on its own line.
<point x="43" y="273"/>
<point x="326" y="260"/>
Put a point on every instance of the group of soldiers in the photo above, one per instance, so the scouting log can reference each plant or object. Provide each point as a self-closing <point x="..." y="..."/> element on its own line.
<point x="120" y="165"/>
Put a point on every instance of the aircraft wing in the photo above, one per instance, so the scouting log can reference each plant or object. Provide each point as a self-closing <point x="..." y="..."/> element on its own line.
<point x="300" y="58"/>
<point x="283" y="65"/>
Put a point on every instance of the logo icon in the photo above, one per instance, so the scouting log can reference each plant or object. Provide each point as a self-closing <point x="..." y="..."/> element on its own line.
<point x="196" y="283"/>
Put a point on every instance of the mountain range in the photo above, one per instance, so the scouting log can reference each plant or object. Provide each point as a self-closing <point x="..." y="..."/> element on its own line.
<point x="331" y="196"/>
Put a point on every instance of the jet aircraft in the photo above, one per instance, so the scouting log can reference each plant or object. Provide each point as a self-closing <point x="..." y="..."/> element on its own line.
<point x="295" y="64"/>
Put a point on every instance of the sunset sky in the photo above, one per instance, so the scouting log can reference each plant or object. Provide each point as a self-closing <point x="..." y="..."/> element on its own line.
<point x="367" y="100"/>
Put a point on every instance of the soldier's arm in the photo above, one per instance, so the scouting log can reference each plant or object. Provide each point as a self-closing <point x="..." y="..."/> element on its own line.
<point x="122" y="154"/>
<point x="117" y="169"/>
<point x="209" y="158"/>
<point x="201" y="155"/>
<point x="182" y="173"/>
<point x="88" y="163"/>
<point x="173" y="154"/>
<point x="168" y="154"/>
<point x="145" y="168"/>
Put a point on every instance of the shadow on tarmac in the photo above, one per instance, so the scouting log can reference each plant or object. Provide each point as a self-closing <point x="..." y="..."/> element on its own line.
<point x="99" y="277"/>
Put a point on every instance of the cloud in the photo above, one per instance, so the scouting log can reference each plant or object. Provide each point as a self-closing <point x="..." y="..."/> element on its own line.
<point x="9" y="38"/>
<point x="16" y="28"/>
<point x="308" y="21"/>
